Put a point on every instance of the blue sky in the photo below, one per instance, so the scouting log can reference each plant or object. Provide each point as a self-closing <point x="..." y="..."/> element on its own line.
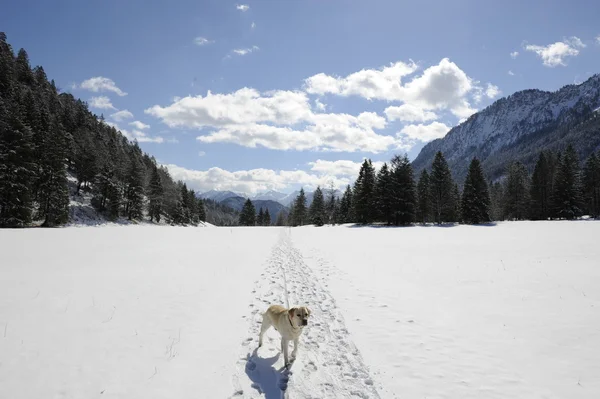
<point x="300" y="91"/>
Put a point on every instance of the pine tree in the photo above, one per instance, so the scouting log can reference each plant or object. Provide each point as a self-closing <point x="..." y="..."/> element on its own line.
<point x="423" y="195"/>
<point x="516" y="192"/>
<point x="201" y="210"/>
<point x="567" y="194"/>
<point x="281" y="219"/>
<point x="155" y="195"/>
<point x="135" y="191"/>
<point x="345" y="214"/>
<point x="248" y="214"/>
<point x="441" y="190"/>
<point x="384" y="196"/>
<point x="591" y="182"/>
<point x="192" y="204"/>
<point x="330" y="205"/>
<point x="497" y="201"/>
<point x="260" y="218"/>
<point x="299" y="209"/>
<point x="541" y="189"/>
<point x="316" y="212"/>
<point x="404" y="190"/>
<point x="475" y="202"/>
<point x="364" y="194"/>
<point x="267" y="218"/>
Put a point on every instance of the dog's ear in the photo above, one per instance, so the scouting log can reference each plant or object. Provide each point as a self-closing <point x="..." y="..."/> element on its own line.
<point x="308" y="311"/>
<point x="291" y="312"/>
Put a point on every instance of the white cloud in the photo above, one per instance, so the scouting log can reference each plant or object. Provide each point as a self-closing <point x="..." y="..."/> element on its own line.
<point x="99" y="84"/>
<point x="442" y="86"/>
<point x="121" y="115"/>
<point x="598" y="39"/>
<point x="201" y="153"/>
<point x="409" y="113"/>
<point x="555" y="54"/>
<point x="139" y="125"/>
<point x="244" y="51"/>
<point x="253" y="181"/>
<point x="514" y="54"/>
<point x="242" y="7"/>
<point x="320" y="106"/>
<point x="492" y="91"/>
<point x="137" y="135"/>
<point x="511" y="73"/>
<point x="202" y="41"/>
<point x="101" y="102"/>
<point x="253" y="25"/>
<point x="434" y="130"/>
<point x="339" y="167"/>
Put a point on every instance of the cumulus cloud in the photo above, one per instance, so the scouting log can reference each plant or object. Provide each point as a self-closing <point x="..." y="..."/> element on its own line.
<point x="492" y="91"/>
<point x="202" y="41"/>
<point x="441" y="86"/>
<point x="514" y="54"/>
<point x="320" y="106"/>
<point x="100" y="84"/>
<point x="139" y="125"/>
<point x="242" y="7"/>
<point x="434" y="130"/>
<point x="253" y="181"/>
<point x="101" y="102"/>
<point x="555" y="54"/>
<point x="121" y="115"/>
<point x="409" y="113"/>
<point x="339" y="167"/>
<point x="138" y="135"/>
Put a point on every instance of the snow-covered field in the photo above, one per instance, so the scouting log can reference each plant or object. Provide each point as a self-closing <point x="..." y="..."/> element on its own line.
<point x="507" y="311"/>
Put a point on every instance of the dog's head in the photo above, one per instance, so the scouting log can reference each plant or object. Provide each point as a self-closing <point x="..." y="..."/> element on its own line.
<point x="299" y="315"/>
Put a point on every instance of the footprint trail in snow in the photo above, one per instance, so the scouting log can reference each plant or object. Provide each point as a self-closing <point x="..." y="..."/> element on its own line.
<point x="328" y="364"/>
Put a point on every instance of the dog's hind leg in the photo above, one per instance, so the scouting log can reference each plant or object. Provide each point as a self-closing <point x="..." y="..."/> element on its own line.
<point x="284" y="349"/>
<point x="266" y="323"/>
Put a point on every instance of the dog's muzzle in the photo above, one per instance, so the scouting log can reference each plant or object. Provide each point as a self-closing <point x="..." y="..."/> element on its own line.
<point x="304" y="322"/>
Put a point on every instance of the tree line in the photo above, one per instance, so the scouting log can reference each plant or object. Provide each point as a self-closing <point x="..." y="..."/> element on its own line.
<point x="47" y="136"/>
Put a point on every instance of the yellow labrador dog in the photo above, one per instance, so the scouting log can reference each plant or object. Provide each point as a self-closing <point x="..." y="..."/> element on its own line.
<point x="289" y="323"/>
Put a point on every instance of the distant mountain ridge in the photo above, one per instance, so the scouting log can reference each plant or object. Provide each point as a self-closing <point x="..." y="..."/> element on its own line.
<point x="231" y="198"/>
<point x="518" y="127"/>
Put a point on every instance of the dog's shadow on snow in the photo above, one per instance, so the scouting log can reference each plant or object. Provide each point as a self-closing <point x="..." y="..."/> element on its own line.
<point x="266" y="379"/>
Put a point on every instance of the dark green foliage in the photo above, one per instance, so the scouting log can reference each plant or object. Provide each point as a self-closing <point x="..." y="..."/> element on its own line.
<point x="345" y="210"/>
<point x="331" y="206"/>
<point x="516" y="192"/>
<point x="298" y="214"/>
<point x="316" y="212"/>
<point x="201" y="210"/>
<point x="364" y="194"/>
<point x="404" y="191"/>
<point x="155" y="196"/>
<point x="281" y="219"/>
<point x="567" y="194"/>
<point x="441" y="186"/>
<point x="385" y="195"/>
<point x="260" y="218"/>
<point x="267" y="218"/>
<point x="497" y="201"/>
<point x="475" y="202"/>
<point x="591" y="185"/>
<point x="248" y="214"/>
<point x="423" y="195"/>
<point x="135" y="191"/>
<point x="541" y="189"/>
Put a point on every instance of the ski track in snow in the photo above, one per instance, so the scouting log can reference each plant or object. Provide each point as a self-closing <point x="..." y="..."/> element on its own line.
<point x="328" y="364"/>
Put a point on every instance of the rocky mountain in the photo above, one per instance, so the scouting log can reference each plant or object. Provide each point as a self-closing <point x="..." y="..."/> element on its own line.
<point x="518" y="127"/>
<point x="271" y="195"/>
<point x="220" y="196"/>
<point x="237" y="203"/>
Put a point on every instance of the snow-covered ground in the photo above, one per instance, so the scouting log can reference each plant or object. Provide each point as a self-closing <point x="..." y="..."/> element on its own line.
<point x="507" y="311"/>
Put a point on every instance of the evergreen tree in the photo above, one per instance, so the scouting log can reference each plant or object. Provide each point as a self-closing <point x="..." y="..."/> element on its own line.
<point x="443" y="203"/>
<point x="404" y="190"/>
<point x="345" y="214"/>
<point x="260" y="218"/>
<point x="541" y="189"/>
<point x="299" y="210"/>
<point x="516" y="192"/>
<point x="567" y="194"/>
<point x="475" y="202"/>
<point x="193" y="206"/>
<point x="591" y="182"/>
<point x="281" y="219"/>
<point x="135" y="191"/>
<point x="155" y="196"/>
<point x="267" y="218"/>
<point x="330" y="205"/>
<point x="316" y="212"/>
<point x="497" y="201"/>
<point x="384" y="196"/>
<point x="423" y="195"/>
<point x="248" y="214"/>
<point x="364" y="194"/>
<point x="201" y="210"/>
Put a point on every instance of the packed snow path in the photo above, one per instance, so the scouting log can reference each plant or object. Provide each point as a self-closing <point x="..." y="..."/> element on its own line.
<point x="328" y="364"/>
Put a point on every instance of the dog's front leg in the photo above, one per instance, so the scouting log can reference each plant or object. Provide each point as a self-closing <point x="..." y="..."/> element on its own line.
<point x="295" y="349"/>
<point x="284" y="349"/>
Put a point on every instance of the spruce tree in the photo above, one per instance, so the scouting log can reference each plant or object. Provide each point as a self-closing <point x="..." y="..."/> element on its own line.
<point x="248" y="214"/>
<point x="155" y="196"/>
<point x="497" y="201"/>
<point x="441" y="190"/>
<point x="591" y="183"/>
<point x="364" y="194"/>
<point x="299" y="210"/>
<point x="201" y="210"/>
<point x="330" y="205"/>
<point x="281" y="219"/>
<point x="260" y="218"/>
<point x="404" y="190"/>
<point x="345" y="214"/>
<point x="384" y="196"/>
<point x="516" y="192"/>
<point x="193" y="206"/>
<point x="316" y="211"/>
<point x="267" y="218"/>
<point x="135" y="191"/>
<point x="475" y="202"/>
<point x="423" y="195"/>
<point x="541" y="189"/>
<point x="567" y="194"/>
